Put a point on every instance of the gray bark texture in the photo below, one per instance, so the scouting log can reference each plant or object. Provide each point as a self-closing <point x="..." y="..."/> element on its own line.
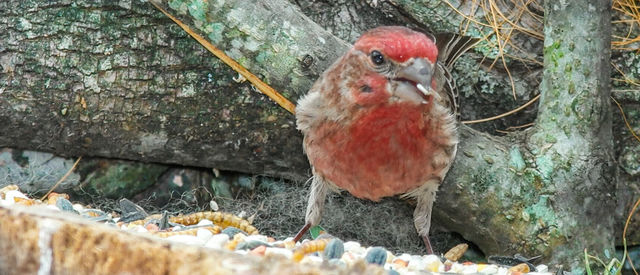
<point x="122" y="81"/>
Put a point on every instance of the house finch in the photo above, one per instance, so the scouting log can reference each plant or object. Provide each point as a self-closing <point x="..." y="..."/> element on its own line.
<point x="381" y="121"/>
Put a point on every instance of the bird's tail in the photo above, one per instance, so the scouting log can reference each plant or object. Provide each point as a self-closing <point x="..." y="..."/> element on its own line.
<point x="450" y="48"/>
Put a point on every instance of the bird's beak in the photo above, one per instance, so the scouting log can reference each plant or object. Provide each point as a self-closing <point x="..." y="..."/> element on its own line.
<point x="414" y="80"/>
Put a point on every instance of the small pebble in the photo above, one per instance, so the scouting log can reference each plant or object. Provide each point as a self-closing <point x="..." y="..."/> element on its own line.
<point x="432" y="263"/>
<point x="502" y="271"/>
<point x="311" y="259"/>
<point x="354" y="248"/>
<point x="447" y="266"/>
<point x="278" y="251"/>
<point x="237" y="239"/>
<point x="468" y="269"/>
<point x="204" y="222"/>
<point x="456" y="267"/>
<point x="348" y="257"/>
<point x="217" y="241"/>
<point x="152" y="227"/>
<point x="487" y="269"/>
<point x="11" y="195"/>
<point x="456" y="252"/>
<point x="25" y="202"/>
<point x="376" y="255"/>
<point x="186" y="239"/>
<point x="260" y="238"/>
<point x="417" y="263"/>
<point x="232" y="231"/>
<point x="140" y="229"/>
<point x="6" y="189"/>
<point x="390" y="257"/>
<point x="79" y="207"/>
<point x="289" y="243"/>
<point x="213" y="205"/>
<point x="398" y="263"/>
<point x="65" y="205"/>
<point x="392" y="272"/>
<point x="542" y="268"/>
<point x="259" y="250"/>
<point x="131" y="211"/>
<point x="249" y="245"/>
<point x="204" y="234"/>
<point x="404" y="256"/>
<point x="334" y="249"/>
<point x="337" y="262"/>
<point x="92" y="214"/>
<point x="522" y="268"/>
<point x="53" y="196"/>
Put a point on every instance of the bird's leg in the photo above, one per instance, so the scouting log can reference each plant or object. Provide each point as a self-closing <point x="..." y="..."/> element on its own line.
<point x="427" y="244"/>
<point x="422" y="214"/>
<point x="303" y="230"/>
<point x="315" y="206"/>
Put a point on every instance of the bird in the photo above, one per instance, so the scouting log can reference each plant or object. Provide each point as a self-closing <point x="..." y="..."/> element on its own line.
<point x="381" y="121"/>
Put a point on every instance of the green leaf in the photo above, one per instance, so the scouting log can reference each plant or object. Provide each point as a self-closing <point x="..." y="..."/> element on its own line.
<point x="316" y="231"/>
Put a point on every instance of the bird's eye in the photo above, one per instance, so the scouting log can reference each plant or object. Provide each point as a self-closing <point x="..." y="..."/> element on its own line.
<point x="377" y="58"/>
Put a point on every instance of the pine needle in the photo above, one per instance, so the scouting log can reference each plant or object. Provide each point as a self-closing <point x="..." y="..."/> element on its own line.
<point x="626" y="122"/>
<point x="66" y="175"/>
<point x="624" y="232"/>
<point x="503" y="114"/>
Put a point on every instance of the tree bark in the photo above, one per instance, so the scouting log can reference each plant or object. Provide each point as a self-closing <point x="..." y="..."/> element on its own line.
<point x="573" y="129"/>
<point x="123" y="81"/>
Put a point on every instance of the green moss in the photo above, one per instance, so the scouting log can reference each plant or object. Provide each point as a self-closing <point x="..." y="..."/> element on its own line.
<point x="545" y="166"/>
<point x="263" y="56"/>
<point x="178" y="5"/>
<point x="221" y="188"/>
<point x="553" y="53"/>
<point x="198" y="9"/>
<point x="430" y="13"/>
<point x="567" y="68"/>
<point x="567" y="110"/>
<point x="23" y="24"/>
<point x="482" y="180"/>
<point x="215" y="31"/>
<point x="542" y="211"/>
<point x="577" y="103"/>
<point x="516" y="161"/>
<point x="123" y="180"/>
<point x="532" y="177"/>
<point x="550" y="138"/>
<point x="630" y="160"/>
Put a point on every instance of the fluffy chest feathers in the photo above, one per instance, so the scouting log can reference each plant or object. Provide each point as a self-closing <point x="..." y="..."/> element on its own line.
<point x="384" y="150"/>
